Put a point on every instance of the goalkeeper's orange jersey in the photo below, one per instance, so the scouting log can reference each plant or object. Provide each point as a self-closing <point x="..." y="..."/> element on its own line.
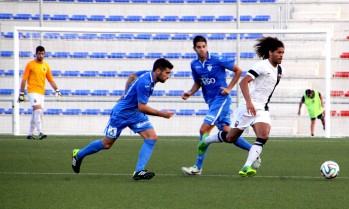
<point x="35" y="74"/>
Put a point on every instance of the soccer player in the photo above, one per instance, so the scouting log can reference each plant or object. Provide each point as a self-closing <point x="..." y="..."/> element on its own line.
<point x="257" y="88"/>
<point x="35" y="74"/>
<point x="131" y="111"/>
<point x="209" y="73"/>
<point x="315" y="105"/>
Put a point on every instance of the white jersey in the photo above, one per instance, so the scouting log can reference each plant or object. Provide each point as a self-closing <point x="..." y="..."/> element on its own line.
<point x="265" y="78"/>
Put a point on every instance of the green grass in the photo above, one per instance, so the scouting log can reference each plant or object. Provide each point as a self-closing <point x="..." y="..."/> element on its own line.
<point x="38" y="175"/>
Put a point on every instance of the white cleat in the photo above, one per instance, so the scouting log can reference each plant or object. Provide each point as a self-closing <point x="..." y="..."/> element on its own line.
<point x="191" y="171"/>
<point x="257" y="163"/>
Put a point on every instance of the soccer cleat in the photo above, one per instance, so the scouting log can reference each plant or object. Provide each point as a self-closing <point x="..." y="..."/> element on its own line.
<point x="247" y="171"/>
<point x="257" y="163"/>
<point x="42" y="136"/>
<point x="202" y="146"/>
<point x="191" y="171"/>
<point x="76" y="163"/>
<point x="32" y="137"/>
<point x="143" y="175"/>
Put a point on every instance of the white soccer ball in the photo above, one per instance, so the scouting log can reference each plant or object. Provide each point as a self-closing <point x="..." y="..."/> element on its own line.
<point x="329" y="169"/>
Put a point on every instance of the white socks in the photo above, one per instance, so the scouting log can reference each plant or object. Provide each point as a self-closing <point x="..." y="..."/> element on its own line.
<point x="37" y="119"/>
<point x="212" y="139"/>
<point x="254" y="152"/>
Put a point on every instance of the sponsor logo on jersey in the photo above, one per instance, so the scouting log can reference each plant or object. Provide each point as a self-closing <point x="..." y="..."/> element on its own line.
<point x="208" y="81"/>
<point x="140" y="125"/>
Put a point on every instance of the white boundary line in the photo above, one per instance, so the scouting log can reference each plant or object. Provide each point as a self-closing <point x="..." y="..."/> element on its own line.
<point x="174" y="175"/>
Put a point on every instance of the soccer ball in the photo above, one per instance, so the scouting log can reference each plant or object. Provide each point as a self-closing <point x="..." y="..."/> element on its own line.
<point x="329" y="169"/>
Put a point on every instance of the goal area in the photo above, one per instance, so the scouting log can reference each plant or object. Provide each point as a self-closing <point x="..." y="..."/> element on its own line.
<point x="91" y="66"/>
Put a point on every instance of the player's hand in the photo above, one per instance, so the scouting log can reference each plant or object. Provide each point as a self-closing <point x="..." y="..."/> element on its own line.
<point x="185" y="95"/>
<point x="58" y="95"/>
<point x="167" y="114"/>
<point x="251" y="109"/>
<point x="225" y="91"/>
<point x="21" y="97"/>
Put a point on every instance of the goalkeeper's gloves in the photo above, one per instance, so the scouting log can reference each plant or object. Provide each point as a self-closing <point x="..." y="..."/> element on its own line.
<point x="21" y="97"/>
<point x="58" y="94"/>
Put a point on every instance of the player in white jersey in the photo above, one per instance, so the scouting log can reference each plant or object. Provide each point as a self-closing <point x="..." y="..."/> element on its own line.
<point x="257" y="88"/>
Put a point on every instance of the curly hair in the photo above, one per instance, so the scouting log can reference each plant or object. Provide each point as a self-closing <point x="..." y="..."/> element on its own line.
<point x="265" y="45"/>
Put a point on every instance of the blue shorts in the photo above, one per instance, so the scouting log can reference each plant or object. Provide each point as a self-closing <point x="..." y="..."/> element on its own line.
<point x="219" y="113"/>
<point x="139" y="122"/>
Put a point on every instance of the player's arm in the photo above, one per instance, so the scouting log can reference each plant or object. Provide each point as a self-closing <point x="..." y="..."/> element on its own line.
<point x="246" y="93"/>
<point x="196" y="86"/>
<point x="21" y="91"/>
<point x="57" y="91"/>
<point x="144" y="108"/>
<point x="322" y="101"/>
<point x="237" y="70"/>
<point x="300" y="105"/>
<point x="129" y="80"/>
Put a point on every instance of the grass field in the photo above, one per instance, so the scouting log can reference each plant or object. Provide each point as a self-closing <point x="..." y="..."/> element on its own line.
<point x="38" y="175"/>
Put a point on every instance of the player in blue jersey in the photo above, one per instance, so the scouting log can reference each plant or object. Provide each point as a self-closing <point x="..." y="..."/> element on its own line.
<point x="209" y="74"/>
<point x="131" y="111"/>
<point x="257" y="88"/>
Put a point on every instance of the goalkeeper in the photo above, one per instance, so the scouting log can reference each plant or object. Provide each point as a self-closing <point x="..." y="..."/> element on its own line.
<point x="35" y="74"/>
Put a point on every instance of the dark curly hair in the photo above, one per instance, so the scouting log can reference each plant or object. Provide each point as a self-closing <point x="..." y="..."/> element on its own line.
<point x="265" y="45"/>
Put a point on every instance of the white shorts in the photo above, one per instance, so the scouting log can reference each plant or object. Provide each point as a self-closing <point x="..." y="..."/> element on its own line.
<point x="36" y="99"/>
<point x="243" y="119"/>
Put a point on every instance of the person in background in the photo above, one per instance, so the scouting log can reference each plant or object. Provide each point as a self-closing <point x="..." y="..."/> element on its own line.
<point x="315" y="105"/>
<point x="35" y="74"/>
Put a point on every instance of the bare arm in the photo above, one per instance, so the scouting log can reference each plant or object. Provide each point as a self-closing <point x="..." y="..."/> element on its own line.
<point x="234" y="80"/>
<point x="150" y="111"/>
<point x="129" y="80"/>
<point x="196" y="86"/>
<point x="54" y="86"/>
<point x="322" y="101"/>
<point x="246" y="93"/>
<point x="22" y="85"/>
<point x="300" y="106"/>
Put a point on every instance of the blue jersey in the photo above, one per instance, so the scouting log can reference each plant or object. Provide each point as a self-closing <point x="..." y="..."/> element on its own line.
<point x="211" y="75"/>
<point x="138" y="91"/>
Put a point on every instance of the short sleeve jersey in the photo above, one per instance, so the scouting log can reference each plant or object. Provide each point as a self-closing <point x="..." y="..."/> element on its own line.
<point x="138" y="91"/>
<point x="35" y="74"/>
<point x="211" y="75"/>
<point x="265" y="78"/>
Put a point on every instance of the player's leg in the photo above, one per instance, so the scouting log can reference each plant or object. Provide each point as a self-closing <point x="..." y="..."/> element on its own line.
<point x="31" y="128"/>
<point x="36" y="101"/>
<point x="322" y="118"/>
<point x="312" y="126"/>
<point x="150" y="139"/>
<point x="111" y="133"/>
<point x="142" y="126"/>
<point x="196" y="169"/>
<point x="261" y="126"/>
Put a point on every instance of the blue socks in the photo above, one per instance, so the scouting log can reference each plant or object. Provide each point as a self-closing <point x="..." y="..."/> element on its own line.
<point x="145" y="153"/>
<point x="243" y="144"/>
<point x="200" y="159"/>
<point x="91" y="148"/>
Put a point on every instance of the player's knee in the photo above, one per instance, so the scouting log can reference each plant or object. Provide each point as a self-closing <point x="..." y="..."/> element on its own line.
<point x="107" y="142"/>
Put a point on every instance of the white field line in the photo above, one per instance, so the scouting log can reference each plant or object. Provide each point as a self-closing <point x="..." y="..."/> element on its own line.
<point x="174" y="175"/>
